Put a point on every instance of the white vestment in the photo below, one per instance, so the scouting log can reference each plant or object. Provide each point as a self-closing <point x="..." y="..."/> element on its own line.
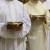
<point x="13" y="11"/>
<point x="37" y="36"/>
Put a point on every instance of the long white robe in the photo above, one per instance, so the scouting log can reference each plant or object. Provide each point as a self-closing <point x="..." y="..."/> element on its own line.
<point x="37" y="36"/>
<point x="13" y="11"/>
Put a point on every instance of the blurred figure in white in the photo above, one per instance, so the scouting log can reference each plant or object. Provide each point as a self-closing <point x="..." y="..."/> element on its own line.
<point x="47" y="3"/>
<point x="39" y="17"/>
<point x="13" y="11"/>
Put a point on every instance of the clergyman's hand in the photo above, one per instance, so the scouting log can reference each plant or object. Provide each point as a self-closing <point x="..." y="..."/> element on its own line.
<point x="33" y="17"/>
<point x="43" y="19"/>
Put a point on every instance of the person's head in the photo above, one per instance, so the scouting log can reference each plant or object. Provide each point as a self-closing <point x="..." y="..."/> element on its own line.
<point x="34" y="0"/>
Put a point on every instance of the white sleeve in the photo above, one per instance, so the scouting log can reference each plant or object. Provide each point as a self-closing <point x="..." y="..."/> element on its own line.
<point x="48" y="17"/>
<point x="26" y="24"/>
<point x="46" y="12"/>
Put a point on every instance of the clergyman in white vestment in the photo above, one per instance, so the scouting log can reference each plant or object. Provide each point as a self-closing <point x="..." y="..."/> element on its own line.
<point x="37" y="34"/>
<point x="12" y="11"/>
